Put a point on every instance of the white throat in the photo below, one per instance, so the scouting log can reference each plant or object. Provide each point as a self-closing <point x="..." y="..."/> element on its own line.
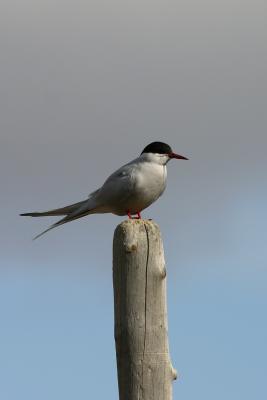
<point x="159" y="159"/>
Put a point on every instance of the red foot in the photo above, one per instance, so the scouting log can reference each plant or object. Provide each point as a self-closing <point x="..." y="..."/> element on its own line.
<point x="130" y="215"/>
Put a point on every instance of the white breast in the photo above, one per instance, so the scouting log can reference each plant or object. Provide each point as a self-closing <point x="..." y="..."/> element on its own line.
<point x="134" y="186"/>
<point x="149" y="185"/>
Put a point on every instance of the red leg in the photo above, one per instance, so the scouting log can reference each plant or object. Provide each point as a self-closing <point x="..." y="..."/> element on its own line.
<point x="129" y="214"/>
<point x="139" y="215"/>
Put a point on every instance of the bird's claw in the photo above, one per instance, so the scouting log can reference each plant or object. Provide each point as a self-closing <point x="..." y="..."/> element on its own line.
<point x="130" y="215"/>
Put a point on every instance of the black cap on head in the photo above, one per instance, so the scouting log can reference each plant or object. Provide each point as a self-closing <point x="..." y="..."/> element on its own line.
<point x="157" y="147"/>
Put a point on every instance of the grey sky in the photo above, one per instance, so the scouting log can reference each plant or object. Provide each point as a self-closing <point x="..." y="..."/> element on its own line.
<point x="84" y="86"/>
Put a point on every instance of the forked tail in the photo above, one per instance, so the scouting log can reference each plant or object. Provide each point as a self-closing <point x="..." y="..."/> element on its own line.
<point x="72" y="212"/>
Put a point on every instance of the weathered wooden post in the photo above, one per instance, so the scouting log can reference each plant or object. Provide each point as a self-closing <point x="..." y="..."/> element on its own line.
<point x="144" y="368"/>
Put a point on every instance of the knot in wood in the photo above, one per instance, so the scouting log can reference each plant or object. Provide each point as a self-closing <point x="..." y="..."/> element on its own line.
<point x="130" y="248"/>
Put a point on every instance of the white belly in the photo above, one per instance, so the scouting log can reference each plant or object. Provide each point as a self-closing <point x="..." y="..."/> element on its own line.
<point x="149" y="183"/>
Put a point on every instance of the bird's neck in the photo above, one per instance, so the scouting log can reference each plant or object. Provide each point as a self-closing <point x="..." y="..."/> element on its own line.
<point x="159" y="159"/>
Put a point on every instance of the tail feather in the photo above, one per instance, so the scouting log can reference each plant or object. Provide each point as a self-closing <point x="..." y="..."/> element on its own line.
<point x="57" y="211"/>
<point x="62" y="221"/>
<point x="72" y="212"/>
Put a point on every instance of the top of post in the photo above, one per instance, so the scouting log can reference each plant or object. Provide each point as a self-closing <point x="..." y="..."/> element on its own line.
<point x="137" y="225"/>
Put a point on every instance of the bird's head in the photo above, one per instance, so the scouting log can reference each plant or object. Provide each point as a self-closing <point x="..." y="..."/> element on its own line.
<point x="160" y="153"/>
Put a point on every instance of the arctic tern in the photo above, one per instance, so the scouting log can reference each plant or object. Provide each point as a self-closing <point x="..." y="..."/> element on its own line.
<point x="128" y="191"/>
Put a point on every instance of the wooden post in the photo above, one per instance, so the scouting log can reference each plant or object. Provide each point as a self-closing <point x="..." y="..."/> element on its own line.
<point x="144" y="368"/>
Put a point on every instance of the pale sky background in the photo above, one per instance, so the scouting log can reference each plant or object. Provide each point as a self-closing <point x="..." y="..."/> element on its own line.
<point x="84" y="87"/>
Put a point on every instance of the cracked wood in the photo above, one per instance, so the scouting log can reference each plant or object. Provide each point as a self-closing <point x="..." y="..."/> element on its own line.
<point x="144" y="368"/>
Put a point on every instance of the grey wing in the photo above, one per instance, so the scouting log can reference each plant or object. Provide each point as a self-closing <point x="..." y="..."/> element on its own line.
<point x="111" y="185"/>
<point x="119" y="186"/>
<point x="93" y="194"/>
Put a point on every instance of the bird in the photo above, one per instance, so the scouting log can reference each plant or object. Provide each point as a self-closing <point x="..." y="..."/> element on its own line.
<point x="128" y="191"/>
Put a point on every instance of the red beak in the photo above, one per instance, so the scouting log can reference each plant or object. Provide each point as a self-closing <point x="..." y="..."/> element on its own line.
<point x="174" y="155"/>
